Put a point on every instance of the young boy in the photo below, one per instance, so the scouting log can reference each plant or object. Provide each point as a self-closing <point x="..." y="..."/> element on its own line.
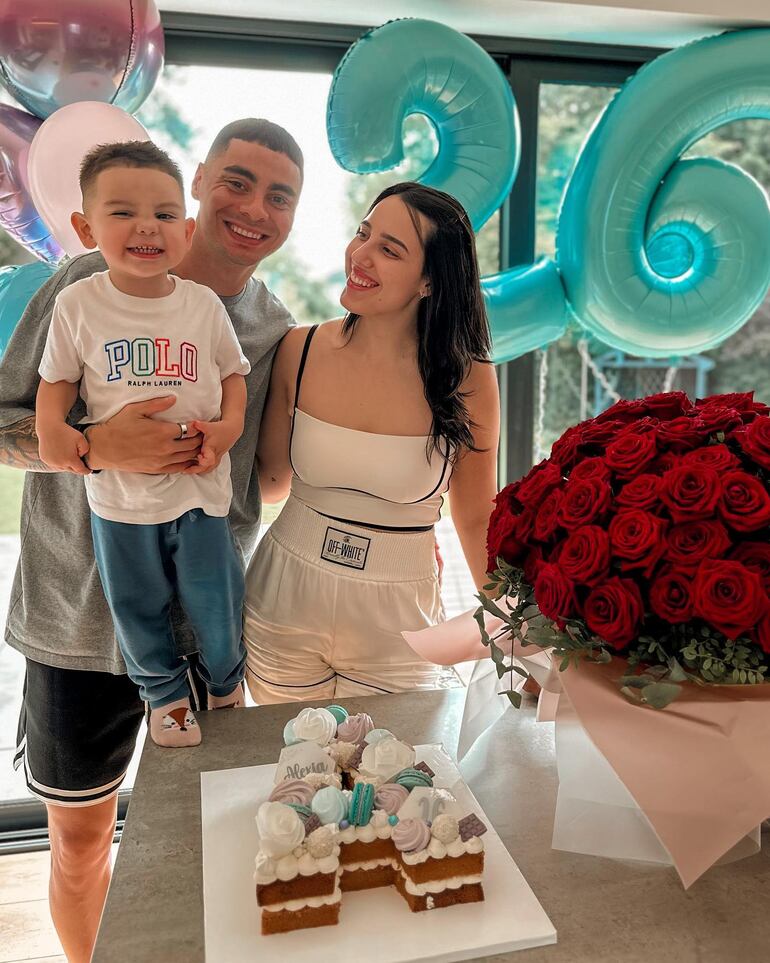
<point x="126" y="335"/>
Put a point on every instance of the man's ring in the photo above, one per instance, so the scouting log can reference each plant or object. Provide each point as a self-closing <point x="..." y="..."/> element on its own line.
<point x="183" y="433"/>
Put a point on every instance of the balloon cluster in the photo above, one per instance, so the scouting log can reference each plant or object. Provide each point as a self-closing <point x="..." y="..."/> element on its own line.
<point x="79" y="67"/>
<point x="656" y="256"/>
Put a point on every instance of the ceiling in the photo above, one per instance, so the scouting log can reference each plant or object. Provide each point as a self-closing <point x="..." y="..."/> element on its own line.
<point x="662" y="23"/>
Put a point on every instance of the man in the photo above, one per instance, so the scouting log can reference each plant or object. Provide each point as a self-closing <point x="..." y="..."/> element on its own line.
<point x="81" y="714"/>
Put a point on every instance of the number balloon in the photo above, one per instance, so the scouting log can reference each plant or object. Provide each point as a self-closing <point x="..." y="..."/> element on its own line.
<point x="661" y="256"/>
<point x="416" y="66"/>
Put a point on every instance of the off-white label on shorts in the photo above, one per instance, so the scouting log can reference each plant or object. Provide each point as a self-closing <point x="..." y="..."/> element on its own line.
<point x="345" y="549"/>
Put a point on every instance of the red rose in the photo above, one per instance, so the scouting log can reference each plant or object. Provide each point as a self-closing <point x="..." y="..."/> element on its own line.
<point x="598" y="434"/>
<point x="639" y="427"/>
<point x="689" y="543"/>
<point x="742" y="401"/>
<point x="715" y="417"/>
<point x="745" y="504"/>
<point x="584" y="501"/>
<point x="729" y="597"/>
<point x="761" y="634"/>
<point x="669" y="404"/>
<point x="584" y="556"/>
<point x="637" y="539"/>
<point x="681" y="434"/>
<point x="555" y="594"/>
<point x="641" y="492"/>
<point x="718" y="457"/>
<point x="535" y="558"/>
<point x="614" y="610"/>
<point x="671" y="597"/>
<point x="690" y="492"/>
<point x="665" y="462"/>
<point x="623" y="410"/>
<point x="594" y="467"/>
<point x="538" y="483"/>
<point x="547" y="520"/>
<point x="756" y="557"/>
<point x="501" y="539"/>
<point x="631" y="454"/>
<point x="754" y="440"/>
<point x="564" y="450"/>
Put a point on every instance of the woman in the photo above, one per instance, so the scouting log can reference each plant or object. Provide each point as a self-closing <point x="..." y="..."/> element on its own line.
<point x="367" y="419"/>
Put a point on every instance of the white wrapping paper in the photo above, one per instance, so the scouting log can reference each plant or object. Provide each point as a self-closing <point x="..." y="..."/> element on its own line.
<point x="595" y="813"/>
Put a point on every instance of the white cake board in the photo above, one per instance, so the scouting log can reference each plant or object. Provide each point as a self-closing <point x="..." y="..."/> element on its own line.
<point x="376" y="925"/>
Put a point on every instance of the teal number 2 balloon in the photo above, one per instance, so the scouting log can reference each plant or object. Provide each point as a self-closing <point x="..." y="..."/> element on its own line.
<point x="416" y="66"/>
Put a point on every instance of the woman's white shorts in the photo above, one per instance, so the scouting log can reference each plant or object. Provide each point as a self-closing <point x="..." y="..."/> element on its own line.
<point x="326" y="603"/>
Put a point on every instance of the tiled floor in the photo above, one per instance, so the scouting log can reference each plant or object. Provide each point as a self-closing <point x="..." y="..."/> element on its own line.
<point x="26" y="930"/>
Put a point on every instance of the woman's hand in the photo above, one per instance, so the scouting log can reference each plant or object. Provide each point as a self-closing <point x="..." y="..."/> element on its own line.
<point x="133" y="440"/>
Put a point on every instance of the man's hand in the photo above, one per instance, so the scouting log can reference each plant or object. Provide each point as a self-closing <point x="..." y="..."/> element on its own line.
<point x="218" y="438"/>
<point x="62" y="447"/>
<point x="133" y="440"/>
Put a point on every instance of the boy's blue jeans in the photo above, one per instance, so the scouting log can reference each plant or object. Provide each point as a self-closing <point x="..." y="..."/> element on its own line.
<point x="141" y="568"/>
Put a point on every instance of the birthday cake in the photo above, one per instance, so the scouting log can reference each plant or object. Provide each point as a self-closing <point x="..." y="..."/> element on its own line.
<point x="352" y="809"/>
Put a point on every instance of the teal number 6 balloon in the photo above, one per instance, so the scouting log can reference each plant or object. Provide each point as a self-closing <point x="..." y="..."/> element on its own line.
<point x="662" y="256"/>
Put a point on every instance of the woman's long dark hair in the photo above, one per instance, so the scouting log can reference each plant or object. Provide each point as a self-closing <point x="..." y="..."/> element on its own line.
<point x="452" y="326"/>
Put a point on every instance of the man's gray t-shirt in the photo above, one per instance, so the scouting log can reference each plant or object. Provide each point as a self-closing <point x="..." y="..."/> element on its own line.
<point x="58" y="614"/>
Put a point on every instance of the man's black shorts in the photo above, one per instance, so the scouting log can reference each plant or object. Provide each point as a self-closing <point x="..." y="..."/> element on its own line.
<point x="77" y="732"/>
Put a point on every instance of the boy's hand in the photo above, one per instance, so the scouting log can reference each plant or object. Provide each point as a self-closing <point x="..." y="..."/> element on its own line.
<point x="62" y="447"/>
<point x="218" y="438"/>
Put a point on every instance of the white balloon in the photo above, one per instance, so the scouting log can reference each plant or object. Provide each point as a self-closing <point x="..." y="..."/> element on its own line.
<point x="56" y="153"/>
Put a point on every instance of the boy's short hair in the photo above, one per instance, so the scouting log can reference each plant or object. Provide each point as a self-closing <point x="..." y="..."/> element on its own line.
<point x="257" y="130"/>
<point x="129" y="153"/>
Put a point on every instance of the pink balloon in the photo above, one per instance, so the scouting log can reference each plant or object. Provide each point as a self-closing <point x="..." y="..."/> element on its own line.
<point x="55" y="156"/>
<point x="18" y="215"/>
<point x="59" y="52"/>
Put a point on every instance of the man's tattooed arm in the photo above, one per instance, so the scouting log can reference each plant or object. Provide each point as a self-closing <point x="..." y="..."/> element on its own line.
<point x="19" y="446"/>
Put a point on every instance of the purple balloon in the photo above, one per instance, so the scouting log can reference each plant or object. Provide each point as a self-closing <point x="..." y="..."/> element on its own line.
<point x="58" y="52"/>
<point x="18" y="215"/>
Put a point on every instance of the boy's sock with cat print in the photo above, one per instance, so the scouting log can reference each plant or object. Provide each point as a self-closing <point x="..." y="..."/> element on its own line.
<point x="174" y="725"/>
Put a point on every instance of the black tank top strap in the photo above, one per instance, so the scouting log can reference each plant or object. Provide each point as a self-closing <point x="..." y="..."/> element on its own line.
<point x="302" y="361"/>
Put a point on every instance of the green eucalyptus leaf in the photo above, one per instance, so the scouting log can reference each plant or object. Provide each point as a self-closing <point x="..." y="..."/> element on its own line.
<point x="492" y="608"/>
<point x="660" y="694"/>
<point x="676" y="672"/>
<point x="631" y="694"/>
<point x="513" y="697"/>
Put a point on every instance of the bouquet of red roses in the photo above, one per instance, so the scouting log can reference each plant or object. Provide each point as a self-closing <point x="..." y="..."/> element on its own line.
<point x="646" y="534"/>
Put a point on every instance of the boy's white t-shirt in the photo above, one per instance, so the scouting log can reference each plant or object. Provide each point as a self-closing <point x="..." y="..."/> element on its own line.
<point x="125" y="349"/>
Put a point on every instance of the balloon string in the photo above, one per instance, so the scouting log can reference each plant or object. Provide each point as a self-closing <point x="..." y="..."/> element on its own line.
<point x="599" y="375"/>
<point x="540" y="452"/>
<point x="668" y="381"/>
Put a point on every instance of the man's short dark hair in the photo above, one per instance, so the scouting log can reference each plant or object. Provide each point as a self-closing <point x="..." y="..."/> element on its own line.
<point x="130" y="153"/>
<point x="257" y="130"/>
